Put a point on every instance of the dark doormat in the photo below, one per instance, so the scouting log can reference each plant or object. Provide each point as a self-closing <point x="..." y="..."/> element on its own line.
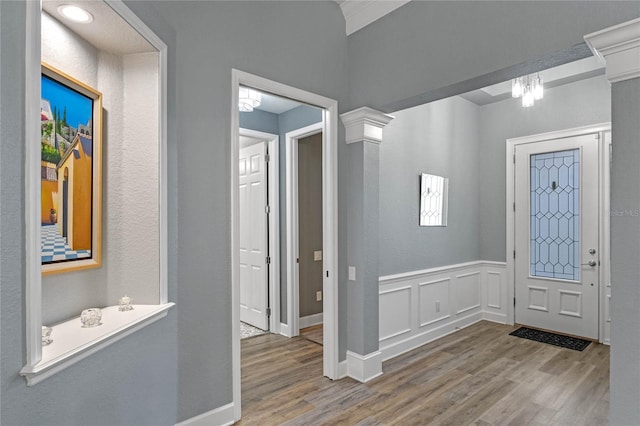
<point x="551" y="338"/>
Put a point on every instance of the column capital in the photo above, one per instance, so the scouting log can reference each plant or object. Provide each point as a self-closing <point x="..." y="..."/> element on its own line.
<point x="619" y="48"/>
<point x="365" y="124"/>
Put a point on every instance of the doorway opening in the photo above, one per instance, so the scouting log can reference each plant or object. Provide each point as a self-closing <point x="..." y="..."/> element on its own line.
<point x="279" y="322"/>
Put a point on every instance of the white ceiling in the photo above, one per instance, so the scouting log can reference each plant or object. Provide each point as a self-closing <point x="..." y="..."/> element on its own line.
<point x="360" y="13"/>
<point x="108" y="31"/>
<point x="276" y="104"/>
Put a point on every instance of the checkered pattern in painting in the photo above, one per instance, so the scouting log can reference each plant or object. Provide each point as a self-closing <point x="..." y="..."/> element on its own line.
<point x="54" y="246"/>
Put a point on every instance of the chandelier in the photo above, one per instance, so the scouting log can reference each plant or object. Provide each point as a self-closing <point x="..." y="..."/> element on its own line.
<point x="529" y="87"/>
<point x="248" y="99"/>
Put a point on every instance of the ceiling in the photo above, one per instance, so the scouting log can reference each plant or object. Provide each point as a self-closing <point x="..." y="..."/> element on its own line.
<point x="108" y="32"/>
<point x="276" y="104"/>
<point x="552" y="77"/>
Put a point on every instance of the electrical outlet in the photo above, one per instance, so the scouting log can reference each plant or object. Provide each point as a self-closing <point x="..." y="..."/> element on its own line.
<point x="352" y="273"/>
<point x="317" y="255"/>
<point x="319" y="296"/>
<point x="437" y="306"/>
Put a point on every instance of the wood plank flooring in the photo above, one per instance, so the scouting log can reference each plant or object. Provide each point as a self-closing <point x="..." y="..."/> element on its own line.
<point x="479" y="375"/>
<point x="315" y="333"/>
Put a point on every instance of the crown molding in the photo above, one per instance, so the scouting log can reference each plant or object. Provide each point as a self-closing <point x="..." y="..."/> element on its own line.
<point x="364" y="124"/>
<point x="619" y="48"/>
<point x="360" y="13"/>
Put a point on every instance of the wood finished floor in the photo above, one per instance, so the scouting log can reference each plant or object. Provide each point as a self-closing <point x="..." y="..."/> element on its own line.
<point x="315" y="333"/>
<point x="479" y="375"/>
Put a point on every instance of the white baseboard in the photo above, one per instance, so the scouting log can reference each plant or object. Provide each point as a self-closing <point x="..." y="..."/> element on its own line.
<point x="364" y="367"/>
<point x="428" y="336"/>
<point x="310" y="320"/>
<point x="494" y="317"/>
<point x="342" y="369"/>
<point x="285" y="330"/>
<point x="221" y="416"/>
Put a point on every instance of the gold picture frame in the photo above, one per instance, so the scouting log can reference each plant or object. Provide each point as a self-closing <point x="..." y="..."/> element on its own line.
<point x="71" y="173"/>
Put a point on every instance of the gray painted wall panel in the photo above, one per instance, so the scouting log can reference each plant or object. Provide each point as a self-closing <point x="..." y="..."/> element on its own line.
<point x="439" y="138"/>
<point x="578" y="104"/>
<point x="625" y="252"/>
<point x="301" y="44"/>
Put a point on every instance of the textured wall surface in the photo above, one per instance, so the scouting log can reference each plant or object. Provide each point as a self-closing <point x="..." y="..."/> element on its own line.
<point x="440" y="138"/>
<point x="130" y="256"/>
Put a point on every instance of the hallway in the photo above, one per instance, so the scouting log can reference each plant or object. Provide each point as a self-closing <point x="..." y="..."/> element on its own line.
<point x="479" y="375"/>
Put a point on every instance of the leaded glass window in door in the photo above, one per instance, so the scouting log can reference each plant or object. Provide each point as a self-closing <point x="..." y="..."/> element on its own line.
<point x="555" y="215"/>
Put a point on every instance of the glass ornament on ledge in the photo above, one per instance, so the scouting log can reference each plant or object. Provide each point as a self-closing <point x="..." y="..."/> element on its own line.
<point x="91" y="317"/>
<point x="46" y="335"/>
<point x="124" y="304"/>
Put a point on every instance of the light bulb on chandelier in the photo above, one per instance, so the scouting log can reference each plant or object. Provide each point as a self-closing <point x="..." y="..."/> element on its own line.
<point x="529" y="87"/>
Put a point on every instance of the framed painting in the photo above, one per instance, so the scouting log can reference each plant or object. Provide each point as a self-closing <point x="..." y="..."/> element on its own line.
<point x="71" y="173"/>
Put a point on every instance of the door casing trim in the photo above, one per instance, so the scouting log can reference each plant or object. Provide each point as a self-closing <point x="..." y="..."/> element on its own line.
<point x="329" y="220"/>
<point x="601" y="128"/>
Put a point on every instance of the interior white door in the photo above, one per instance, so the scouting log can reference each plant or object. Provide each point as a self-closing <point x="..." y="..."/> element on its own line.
<point x="556" y="235"/>
<point x="253" y="236"/>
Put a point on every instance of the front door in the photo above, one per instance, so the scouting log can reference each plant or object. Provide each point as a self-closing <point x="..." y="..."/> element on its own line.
<point x="556" y="235"/>
<point x="253" y="236"/>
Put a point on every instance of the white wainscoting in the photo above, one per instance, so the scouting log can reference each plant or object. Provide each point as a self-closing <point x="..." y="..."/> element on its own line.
<point x="421" y="306"/>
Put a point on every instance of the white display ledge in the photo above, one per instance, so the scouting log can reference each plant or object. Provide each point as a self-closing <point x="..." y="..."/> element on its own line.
<point x="72" y="342"/>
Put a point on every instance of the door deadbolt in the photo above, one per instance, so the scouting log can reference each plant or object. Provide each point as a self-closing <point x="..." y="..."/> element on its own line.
<point x="592" y="251"/>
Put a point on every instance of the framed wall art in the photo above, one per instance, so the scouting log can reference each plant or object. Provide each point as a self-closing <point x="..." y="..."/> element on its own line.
<point x="71" y="173"/>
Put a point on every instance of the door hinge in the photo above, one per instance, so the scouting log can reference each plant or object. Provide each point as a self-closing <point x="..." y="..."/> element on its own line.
<point x="514" y="158"/>
<point x="267" y="209"/>
<point x="514" y="301"/>
<point x="268" y="312"/>
<point x="268" y="260"/>
<point x="267" y="158"/>
<point x="514" y="254"/>
<point x="327" y="274"/>
<point x="514" y="206"/>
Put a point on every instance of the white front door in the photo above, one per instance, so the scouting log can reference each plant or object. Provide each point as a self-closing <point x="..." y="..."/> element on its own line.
<point x="556" y="235"/>
<point x="253" y="236"/>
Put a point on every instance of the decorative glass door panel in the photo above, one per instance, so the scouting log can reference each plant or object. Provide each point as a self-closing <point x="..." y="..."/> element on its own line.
<point x="556" y="235"/>
<point x="555" y="215"/>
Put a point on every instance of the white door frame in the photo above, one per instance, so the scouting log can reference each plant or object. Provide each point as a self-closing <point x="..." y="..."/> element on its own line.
<point x="273" y="149"/>
<point x="329" y="218"/>
<point x="293" y="284"/>
<point x="604" y="129"/>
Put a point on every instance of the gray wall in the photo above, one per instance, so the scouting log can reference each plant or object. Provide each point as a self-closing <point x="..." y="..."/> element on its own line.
<point x="425" y="46"/>
<point x="625" y="252"/>
<point x="281" y="124"/>
<point x="577" y="104"/>
<point x="301" y="44"/>
<point x="440" y="138"/>
<point x="309" y="223"/>
<point x="133" y="381"/>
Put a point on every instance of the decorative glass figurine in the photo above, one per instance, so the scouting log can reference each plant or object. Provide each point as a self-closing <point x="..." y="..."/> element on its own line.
<point x="46" y="335"/>
<point x="124" y="303"/>
<point x="91" y="317"/>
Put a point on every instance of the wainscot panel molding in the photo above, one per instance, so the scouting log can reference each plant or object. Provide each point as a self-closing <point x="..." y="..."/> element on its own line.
<point x="221" y="416"/>
<point x="364" y="367"/>
<point x="420" y="306"/>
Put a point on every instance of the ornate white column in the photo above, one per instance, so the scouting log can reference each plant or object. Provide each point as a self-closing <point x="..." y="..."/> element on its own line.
<point x="619" y="48"/>
<point x="363" y="136"/>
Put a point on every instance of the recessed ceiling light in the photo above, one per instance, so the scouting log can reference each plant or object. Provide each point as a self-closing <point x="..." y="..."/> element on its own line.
<point x="75" y="13"/>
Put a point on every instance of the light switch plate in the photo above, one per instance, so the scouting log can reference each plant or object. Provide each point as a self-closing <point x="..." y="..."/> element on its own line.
<point x="352" y="273"/>
<point x="317" y="255"/>
<point x="318" y="296"/>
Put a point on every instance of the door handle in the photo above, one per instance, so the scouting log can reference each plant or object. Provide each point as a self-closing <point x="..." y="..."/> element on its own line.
<point x="591" y="263"/>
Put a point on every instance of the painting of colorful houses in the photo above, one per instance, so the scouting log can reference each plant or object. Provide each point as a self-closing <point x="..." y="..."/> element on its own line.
<point x="67" y="161"/>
